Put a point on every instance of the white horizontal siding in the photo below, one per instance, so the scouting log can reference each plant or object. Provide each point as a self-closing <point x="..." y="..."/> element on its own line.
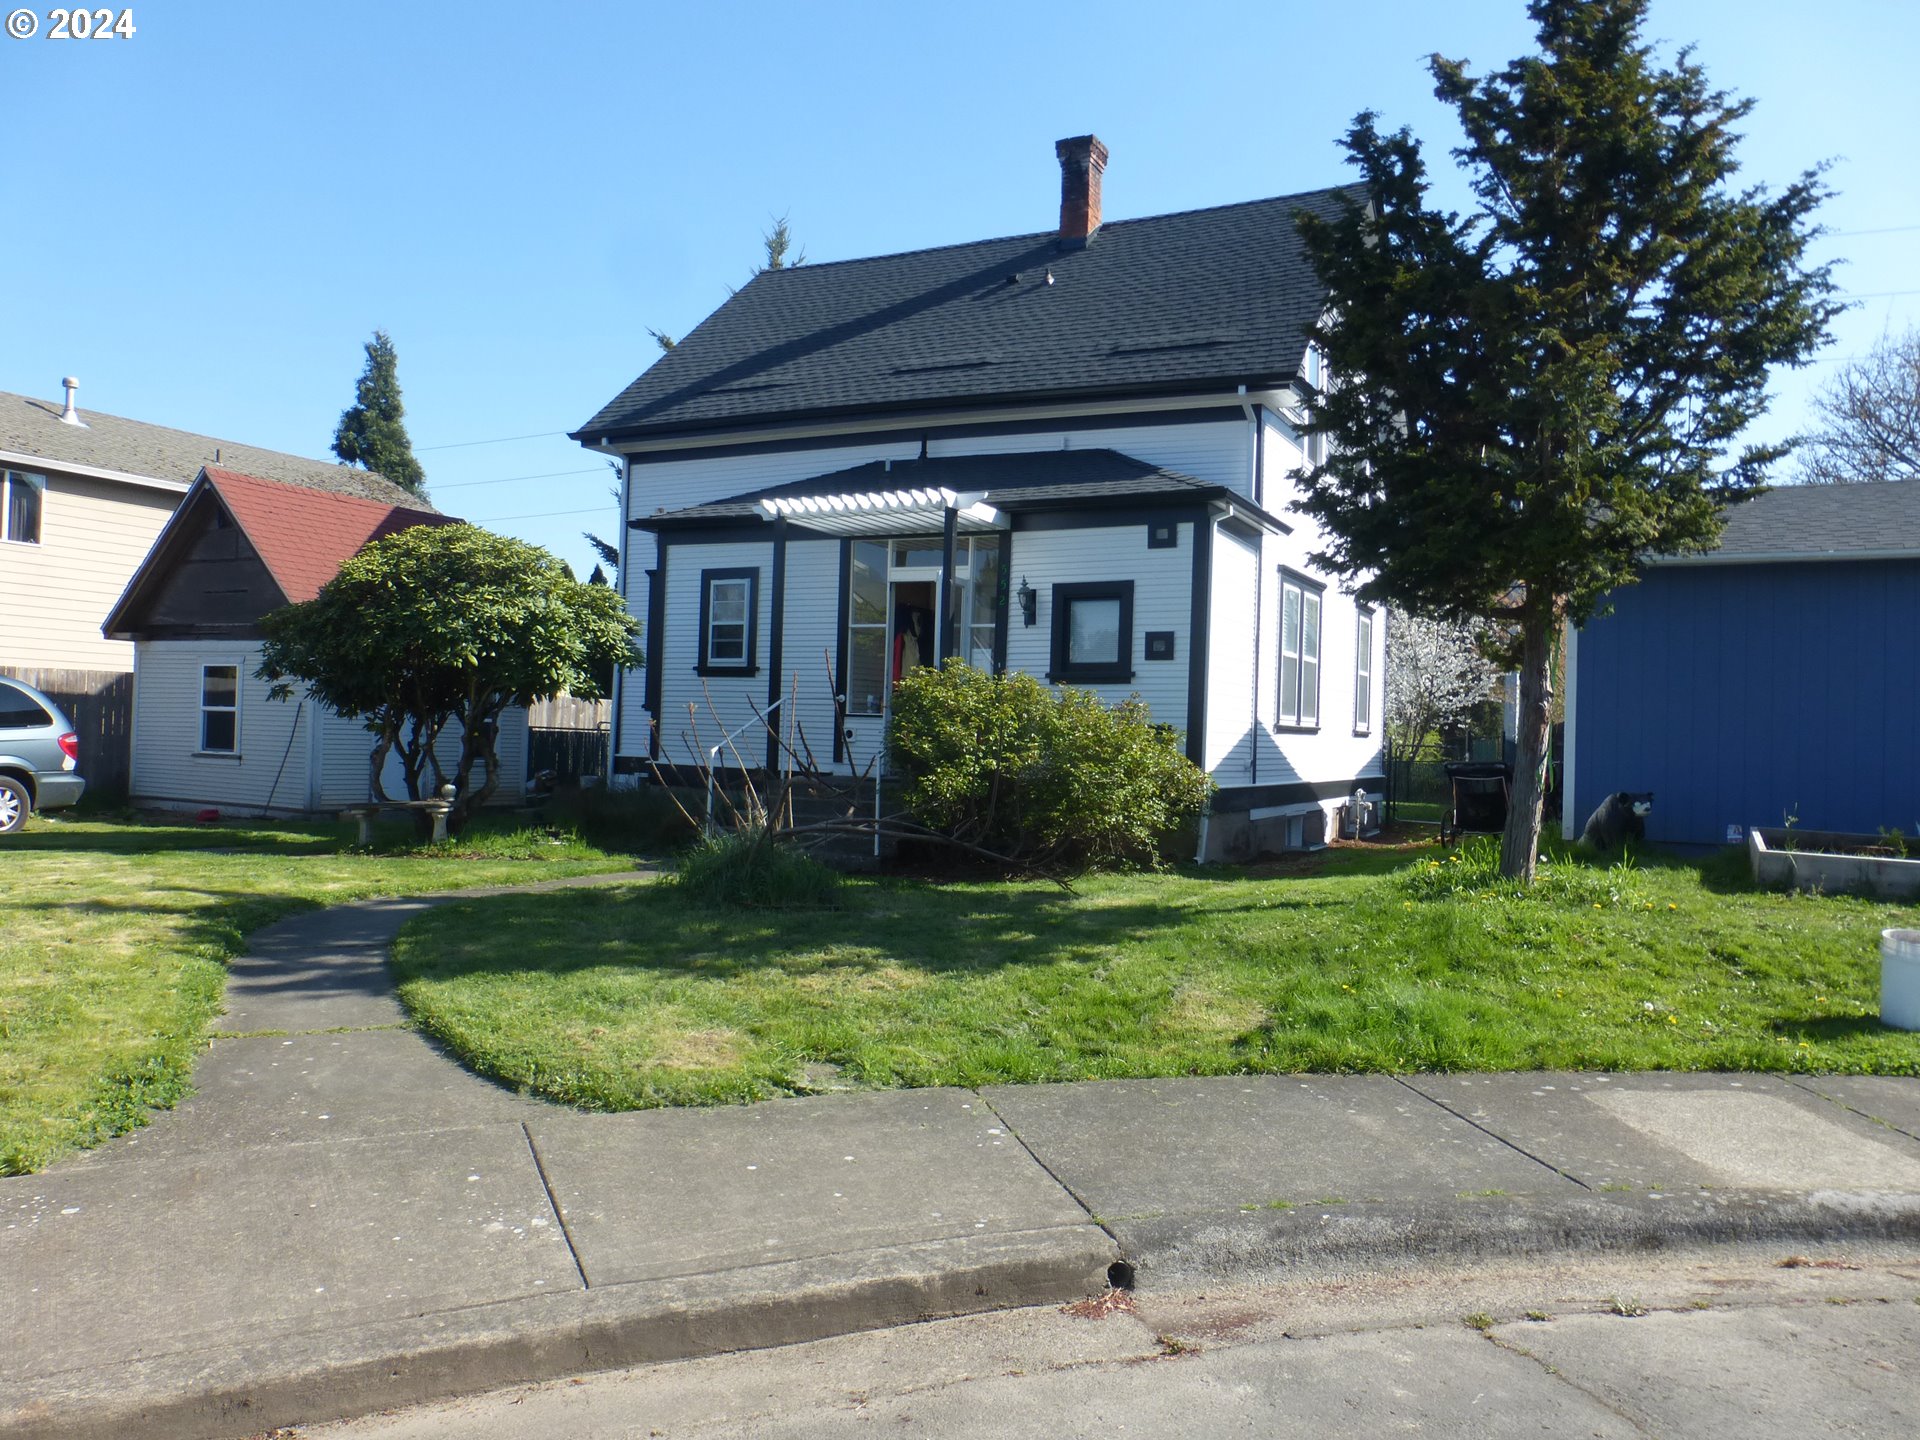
<point x="1333" y="752"/>
<point x="810" y="644"/>
<point x="1162" y="600"/>
<point x="55" y="596"/>
<point x="1216" y="451"/>
<point x="1232" y="728"/>
<point x="270" y="770"/>
<point x="696" y="710"/>
<point x="347" y="750"/>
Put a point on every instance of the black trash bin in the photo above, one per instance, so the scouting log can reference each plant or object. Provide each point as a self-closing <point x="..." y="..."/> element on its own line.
<point x="1481" y="790"/>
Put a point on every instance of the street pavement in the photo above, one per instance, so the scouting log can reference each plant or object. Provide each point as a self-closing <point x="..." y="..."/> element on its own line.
<point x="341" y="1220"/>
<point x="1735" y="1341"/>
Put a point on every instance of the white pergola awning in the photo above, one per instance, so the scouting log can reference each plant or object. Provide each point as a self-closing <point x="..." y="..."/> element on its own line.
<point x="885" y="512"/>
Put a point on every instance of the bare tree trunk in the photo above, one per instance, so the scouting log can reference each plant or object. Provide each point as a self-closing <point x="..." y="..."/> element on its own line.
<point x="1520" y="844"/>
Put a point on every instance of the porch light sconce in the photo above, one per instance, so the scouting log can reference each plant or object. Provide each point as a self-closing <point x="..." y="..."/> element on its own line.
<point x="1029" y="603"/>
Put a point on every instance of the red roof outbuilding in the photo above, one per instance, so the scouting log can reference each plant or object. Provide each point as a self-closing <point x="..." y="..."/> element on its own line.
<point x="303" y="535"/>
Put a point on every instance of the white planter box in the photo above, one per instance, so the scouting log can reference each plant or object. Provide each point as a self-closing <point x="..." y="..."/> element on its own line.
<point x="1900" y="979"/>
<point x="1793" y="860"/>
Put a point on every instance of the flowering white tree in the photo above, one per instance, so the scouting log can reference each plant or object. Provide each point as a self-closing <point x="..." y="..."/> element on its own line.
<point x="1435" y="676"/>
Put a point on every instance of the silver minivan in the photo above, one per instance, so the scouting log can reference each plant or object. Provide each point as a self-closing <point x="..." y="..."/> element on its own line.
<point x="39" y="755"/>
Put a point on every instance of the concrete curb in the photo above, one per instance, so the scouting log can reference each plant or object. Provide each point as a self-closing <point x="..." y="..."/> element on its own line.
<point x="211" y="1393"/>
<point x="1271" y="1244"/>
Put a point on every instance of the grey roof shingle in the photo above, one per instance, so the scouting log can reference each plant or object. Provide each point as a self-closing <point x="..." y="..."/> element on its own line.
<point x="133" y="447"/>
<point x="1823" y="522"/>
<point x="1184" y="301"/>
<point x="1030" y="481"/>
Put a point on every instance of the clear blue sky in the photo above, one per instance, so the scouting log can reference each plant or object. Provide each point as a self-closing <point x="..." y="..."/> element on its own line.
<point x="205" y="222"/>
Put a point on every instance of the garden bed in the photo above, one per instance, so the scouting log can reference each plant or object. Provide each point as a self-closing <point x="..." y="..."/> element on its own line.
<point x="1832" y="862"/>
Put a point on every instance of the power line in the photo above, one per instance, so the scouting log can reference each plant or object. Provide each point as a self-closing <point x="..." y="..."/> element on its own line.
<point x="505" y="479"/>
<point x="546" y="514"/>
<point x="502" y="440"/>
<point x="1877" y="294"/>
<point x="1883" y="230"/>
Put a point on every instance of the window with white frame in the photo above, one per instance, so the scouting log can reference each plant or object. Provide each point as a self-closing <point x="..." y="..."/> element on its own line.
<point x="220" y="709"/>
<point x="22" y="497"/>
<point x="729" y="621"/>
<point x="1363" y="674"/>
<point x="1300" y="598"/>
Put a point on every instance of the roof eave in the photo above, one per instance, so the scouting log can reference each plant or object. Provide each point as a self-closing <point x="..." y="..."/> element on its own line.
<point x="94" y="472"/>
<point x="1213" y="390"/>
<point x="1777" y="557"/>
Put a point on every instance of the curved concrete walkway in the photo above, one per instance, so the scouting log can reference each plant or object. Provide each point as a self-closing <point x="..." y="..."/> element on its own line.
<point x="342" y="1219"/>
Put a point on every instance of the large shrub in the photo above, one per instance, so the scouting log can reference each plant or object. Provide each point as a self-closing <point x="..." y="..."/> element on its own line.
<point x="1054" y="777"/>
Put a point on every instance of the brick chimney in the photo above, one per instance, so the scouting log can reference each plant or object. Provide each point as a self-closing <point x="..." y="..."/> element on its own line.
<point x="1082" y="159"/>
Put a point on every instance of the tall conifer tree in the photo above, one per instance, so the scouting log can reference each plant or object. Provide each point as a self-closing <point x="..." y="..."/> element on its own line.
<point x="1531" y="398"/>
<point x="372" y="432"/>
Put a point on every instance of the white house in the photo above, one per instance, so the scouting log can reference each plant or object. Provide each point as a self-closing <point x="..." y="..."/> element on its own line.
<point x="83" y="495"/>
<point x="205" y="731"/>
<point x="1067" y="453"/>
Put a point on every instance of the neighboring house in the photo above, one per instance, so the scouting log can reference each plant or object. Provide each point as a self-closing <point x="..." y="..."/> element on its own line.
<point x="83" y="495"/>
<point x="1067" y="453"/>
<point x="205" y="731"/>
<point x="1777" y="676"/>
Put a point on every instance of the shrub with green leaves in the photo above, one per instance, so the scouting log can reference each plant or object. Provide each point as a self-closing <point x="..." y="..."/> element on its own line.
<point x="1053" y="777"/>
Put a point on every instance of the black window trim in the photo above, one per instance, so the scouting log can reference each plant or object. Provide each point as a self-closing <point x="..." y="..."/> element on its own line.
<point x="1059" y="669"/>
<point x="751" y="665"/>
<point x="1304" y="582"/>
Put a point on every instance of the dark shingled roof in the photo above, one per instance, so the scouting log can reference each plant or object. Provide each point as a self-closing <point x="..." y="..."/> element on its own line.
<point x="1204" y="298"/>
<point x="133" y="447"/>
<point x="1821" y="522"/>
<point x="1043" y="479"/>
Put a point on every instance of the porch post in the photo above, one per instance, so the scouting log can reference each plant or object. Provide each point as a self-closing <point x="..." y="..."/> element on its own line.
<point x="946" y="587"/>
<point x="774" y="637"/>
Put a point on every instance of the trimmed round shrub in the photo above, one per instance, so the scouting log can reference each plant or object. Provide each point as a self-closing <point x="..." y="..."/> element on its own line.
<point x="1045" y="776"/>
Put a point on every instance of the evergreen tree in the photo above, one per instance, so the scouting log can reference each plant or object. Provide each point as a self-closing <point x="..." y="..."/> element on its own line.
<point x="372" y="432"/>
<point x="1530" y="398"/>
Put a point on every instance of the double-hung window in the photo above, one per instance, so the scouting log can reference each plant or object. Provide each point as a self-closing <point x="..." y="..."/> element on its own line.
<point x="729" y="622"/>
<point x="1363" y="674"/>
<point x="1300" y="598"/>
<point x="1093" y="633"/>
<point x="220" y="709"/>
<point x="22" y="496"/>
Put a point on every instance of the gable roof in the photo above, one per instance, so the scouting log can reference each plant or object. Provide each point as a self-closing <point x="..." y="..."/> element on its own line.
<point x="1040" y="480"/>
<point x="1184" y="302"/>
<point x="1871" y="520"/>
<point x="134" y="449"/>
<point x="302" y="535"/>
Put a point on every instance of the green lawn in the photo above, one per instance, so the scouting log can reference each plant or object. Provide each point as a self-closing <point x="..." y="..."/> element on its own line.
<point x="114" y="938"/>
<point x="1375" y="961"/>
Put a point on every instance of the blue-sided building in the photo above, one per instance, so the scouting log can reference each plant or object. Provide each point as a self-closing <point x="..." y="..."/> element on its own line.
<point x="1777" y="676"/>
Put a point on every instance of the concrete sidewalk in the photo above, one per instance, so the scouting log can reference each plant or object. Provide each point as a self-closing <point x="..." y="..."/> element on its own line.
<point x="342" y="1220"/>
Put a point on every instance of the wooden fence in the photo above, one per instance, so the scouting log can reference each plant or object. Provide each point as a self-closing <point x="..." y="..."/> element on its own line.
<point x="100" y="705"/>
<point x="564" y="712"/>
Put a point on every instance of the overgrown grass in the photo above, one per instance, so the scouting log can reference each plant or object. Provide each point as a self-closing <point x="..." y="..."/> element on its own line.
<point x="744" y="870"/>
<point x="114" y="939"/>
<point x="1379" y="962"/>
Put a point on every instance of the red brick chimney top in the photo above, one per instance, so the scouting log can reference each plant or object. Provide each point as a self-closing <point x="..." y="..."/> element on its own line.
<point x="1082" y="159"/>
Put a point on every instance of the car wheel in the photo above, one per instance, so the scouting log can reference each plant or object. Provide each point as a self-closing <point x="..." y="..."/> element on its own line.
<point x="15" y="805"/>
